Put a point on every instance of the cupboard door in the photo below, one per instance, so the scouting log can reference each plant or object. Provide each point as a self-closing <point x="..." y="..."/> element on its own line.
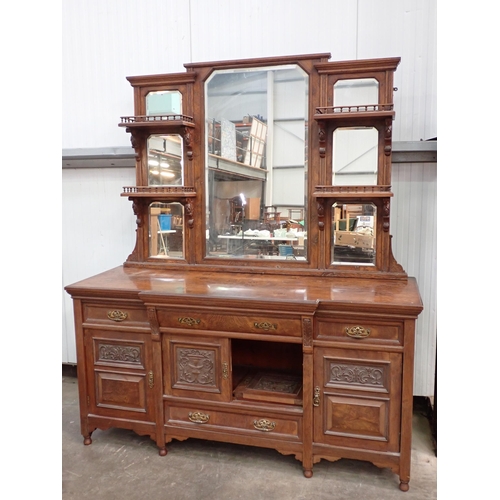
<point x="357" y="398"/>
<point x="197" y="367"/>
<point x="121" y="380"/>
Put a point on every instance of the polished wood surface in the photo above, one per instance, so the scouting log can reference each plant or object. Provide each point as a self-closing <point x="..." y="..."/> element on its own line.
<point x="165" y="353"/>
<point x="306" y="357"/>
<point x="219" y="287"/>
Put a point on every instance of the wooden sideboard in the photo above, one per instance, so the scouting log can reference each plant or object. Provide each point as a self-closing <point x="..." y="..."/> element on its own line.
<point x="299" y="338"/>
<point x="316" y="368"/>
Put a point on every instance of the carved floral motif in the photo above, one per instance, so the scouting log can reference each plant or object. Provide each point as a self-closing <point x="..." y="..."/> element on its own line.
<point x="124" y="354"/>
<point x="195" y="366"/>
<point x="356" y="375"/>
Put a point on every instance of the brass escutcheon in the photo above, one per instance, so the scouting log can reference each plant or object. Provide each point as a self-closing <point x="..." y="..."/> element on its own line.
<point x="189" y="321"/>
<point x="316" y="398"/>
<point x="117" y="315"/>
<point x="357" y="332"/>
<point x="225" y="371"/>
<point x="198" y="417"/>
<point x="264" y="425"/>
<point x="151" y="379"/>
<point x="265" y="325"/>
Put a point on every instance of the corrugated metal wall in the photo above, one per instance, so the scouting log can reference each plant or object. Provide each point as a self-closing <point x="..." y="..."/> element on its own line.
<point x="103" y="42"/>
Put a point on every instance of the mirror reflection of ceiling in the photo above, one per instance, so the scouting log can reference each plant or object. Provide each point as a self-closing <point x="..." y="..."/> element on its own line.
<point x="355" y="156"/>
<point x="165" y="162"/>
<point x="163" y="103"/>
<point x="355" y="92"/>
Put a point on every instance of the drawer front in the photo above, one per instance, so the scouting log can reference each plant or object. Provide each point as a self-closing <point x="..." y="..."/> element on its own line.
<point x="257" y="424"/>
<point x="228" y="322"/>
<point x="115" y="314"/>
<point x="360" y="331"/>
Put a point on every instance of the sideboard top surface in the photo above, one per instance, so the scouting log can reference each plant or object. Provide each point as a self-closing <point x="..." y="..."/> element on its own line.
<point x="219" y="288"/>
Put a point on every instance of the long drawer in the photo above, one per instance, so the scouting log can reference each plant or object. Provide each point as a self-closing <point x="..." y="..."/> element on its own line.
<point x="258" y="424"/>
<point x="231" y="322"/>
<point x="359" y="330"/>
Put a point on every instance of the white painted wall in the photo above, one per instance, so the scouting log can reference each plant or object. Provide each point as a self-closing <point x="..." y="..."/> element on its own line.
<point x="105" y="41"/>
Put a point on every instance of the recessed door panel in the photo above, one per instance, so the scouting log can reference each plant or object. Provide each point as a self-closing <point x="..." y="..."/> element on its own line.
<point x="119" y="369"/>
<point x="197" y="367"/>
<point x="358" y="400"/>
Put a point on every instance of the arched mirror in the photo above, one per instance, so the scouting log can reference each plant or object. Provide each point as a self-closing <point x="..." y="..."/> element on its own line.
<point x="166" y="230"/>
<point x="354" y="233"/>
<point x="256" y="163"/>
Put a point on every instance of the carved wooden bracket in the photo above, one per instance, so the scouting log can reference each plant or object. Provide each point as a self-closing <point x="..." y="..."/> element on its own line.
<point x="388" y="137"/>
<point x="136" y="142"/>
<point x="153" y="323"/>
<point x="320" y="204"/>
<point x="188" y="141"/>
<point x="386" y="215"/>
<point x="189" y="208"/>
<point x="137" y="208"/>
<point x="322" y="139"/>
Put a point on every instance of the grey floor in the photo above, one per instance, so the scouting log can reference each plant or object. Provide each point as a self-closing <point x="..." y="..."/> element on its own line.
<point x="123" y="466"/>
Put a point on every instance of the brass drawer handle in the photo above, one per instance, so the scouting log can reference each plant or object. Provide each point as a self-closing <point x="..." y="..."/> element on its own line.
<point x="198" y="417"/>
<point x="264" y="425"/>
<point x="265" y="325"/>
<point x="316" y="398"/>
<point x="189" y="321"/>
<point x="357" y="332"/>
<point x="117" y="315"/>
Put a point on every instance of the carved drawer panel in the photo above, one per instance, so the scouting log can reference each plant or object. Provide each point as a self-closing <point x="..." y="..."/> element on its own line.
<point x="257" y="423"/>
<point x="359" y="331"/>
<point x="115" y="314"/>
<point x="260" y="324"/>
<point x="110" y="352"/>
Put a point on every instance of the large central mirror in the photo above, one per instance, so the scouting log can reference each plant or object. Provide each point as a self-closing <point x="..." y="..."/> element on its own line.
<point x="256" y="163"/>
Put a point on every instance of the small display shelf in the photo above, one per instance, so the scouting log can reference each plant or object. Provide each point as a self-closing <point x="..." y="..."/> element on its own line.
<point x="270" y="386"/>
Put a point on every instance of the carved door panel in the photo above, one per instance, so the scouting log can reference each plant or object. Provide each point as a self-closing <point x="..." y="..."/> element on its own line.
<point x="357" y="398"/>
<point x="197" y="367"/>
<point x="120" y="377"/>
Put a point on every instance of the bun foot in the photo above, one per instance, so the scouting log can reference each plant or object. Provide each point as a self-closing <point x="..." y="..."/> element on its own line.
<point x="404" y="486"/>
<point x="308" y="473"/>
<point x="162" y="452"/>
<point x="87" y="440"/>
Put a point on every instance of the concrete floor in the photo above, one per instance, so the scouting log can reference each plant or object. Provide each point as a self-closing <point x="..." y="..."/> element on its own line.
<point x="123" y="466"/>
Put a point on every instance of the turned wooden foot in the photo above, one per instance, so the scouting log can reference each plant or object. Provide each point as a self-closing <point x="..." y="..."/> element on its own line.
<point x="404" y="486"/>
<point x="308" y="473"/>
<point x="163" y="452"/>
<point x="87" y="440"/>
